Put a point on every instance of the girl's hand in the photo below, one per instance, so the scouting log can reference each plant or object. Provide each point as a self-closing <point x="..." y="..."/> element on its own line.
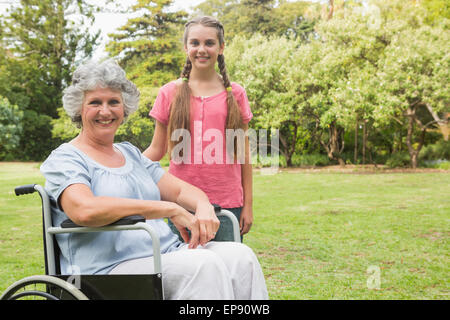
<point x="246" y="220"/>
<point x="208" y="222"/>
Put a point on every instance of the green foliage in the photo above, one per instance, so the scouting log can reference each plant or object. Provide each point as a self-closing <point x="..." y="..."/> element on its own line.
<point x="138" y="129"/>
<point x="268" y="17"/>
<point x="36" y="142"/>
<point x="10" y="128"/>
<point x="63" y="127"/>
<point x="436" y="10"/>
<point x="438" y="151"/>
<point x="264" y="72"/>
<point x="399" y="159"/>
<point x="314" y="159"/>
<point x="43" y="42"/>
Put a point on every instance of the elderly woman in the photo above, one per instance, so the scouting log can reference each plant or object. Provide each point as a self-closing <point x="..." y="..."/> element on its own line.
<point x="96" y="182"/>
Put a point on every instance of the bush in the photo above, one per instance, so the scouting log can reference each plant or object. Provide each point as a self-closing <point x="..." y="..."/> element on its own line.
<point x="438" y="151"/>
<point x="436" y="164"/>
<point x="398" y="160"/>
<point x="139" y="127"/>
<point x="10" y="128"/>
<point x="36" y="141"/>
<point x="268" y="161"/>
<point x="314" y="159"/>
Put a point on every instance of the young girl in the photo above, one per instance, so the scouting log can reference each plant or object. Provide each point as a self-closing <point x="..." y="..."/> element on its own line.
<point x="206" y="104"/>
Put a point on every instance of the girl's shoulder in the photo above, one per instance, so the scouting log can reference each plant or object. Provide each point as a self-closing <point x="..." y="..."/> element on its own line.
<point x="170" y="87"/>
<point x="237" y="89"/>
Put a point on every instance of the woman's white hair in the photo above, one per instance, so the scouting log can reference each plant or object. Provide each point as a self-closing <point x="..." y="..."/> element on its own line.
<point x="91" y="75"/>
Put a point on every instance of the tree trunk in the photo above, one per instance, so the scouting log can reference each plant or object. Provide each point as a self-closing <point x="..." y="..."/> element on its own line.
<point x="285" y="151"/>
<point x="364" y="142"/>
<point x="355" y="156"/>
<point x="413" y="152"/>
<point x="330" y="13"/>
<point x="334" y="148"/>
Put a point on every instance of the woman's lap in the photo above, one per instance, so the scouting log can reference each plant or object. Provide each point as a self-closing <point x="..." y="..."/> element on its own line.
<point x="215" y="271"/>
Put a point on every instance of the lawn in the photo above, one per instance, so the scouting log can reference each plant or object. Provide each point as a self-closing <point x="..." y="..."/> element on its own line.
<point x="318" y="235"/>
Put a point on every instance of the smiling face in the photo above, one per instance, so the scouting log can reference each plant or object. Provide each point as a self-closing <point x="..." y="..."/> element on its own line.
<point x="203" y="46"/>
<point x="102" y="113"/>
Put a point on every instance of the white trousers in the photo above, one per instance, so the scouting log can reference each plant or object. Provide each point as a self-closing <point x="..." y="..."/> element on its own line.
<point x="217" y="271"/>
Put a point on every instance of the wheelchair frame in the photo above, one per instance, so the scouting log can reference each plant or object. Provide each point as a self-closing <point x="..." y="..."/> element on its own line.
<point x="53" y="279"/>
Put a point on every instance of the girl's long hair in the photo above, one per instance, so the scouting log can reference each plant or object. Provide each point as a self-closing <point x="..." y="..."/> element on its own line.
<point x="180" y="107"/>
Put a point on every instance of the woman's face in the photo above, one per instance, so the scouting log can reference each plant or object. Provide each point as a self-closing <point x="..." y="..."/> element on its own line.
<point x="202" y="46"/>
<point x="102" y="112"/>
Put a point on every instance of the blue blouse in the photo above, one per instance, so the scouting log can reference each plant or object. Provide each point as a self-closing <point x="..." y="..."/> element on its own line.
<point x="99" y="253"/>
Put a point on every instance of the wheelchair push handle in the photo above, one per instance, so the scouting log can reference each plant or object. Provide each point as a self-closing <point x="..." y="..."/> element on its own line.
<point x="25" y="189"/>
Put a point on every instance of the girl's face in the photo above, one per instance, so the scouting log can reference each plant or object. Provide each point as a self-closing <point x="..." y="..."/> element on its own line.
<point x="203" y="47"/>
<point x="102" y="112"/>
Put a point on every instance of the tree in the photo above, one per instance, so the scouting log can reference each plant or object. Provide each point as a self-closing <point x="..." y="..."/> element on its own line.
<point x="43" y="43"/>
<point x="262" y="71"/>
<point x="149" y="45"/>
<point x="415" y="77"/>
<point x="267" y="17"/>
<point x="41" y="36"/>
<point x="293" y="19"/>
<point x="436" y="10"/>
<point x="397" y="70"/>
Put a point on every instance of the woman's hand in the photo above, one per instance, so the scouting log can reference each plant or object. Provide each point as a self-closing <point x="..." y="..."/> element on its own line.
<point x="188" y="196"/>
<point x="208" y="222"/>
<point x="183" y="219"/>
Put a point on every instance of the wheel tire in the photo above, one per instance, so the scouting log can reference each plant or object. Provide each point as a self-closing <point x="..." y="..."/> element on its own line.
<point x="12" y="293"/>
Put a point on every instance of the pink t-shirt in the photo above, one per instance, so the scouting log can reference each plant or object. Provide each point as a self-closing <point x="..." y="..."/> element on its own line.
<point x="208" y="168"/>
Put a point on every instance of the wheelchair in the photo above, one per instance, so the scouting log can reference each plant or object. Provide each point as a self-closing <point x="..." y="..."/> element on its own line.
<point x="55" y="286"/>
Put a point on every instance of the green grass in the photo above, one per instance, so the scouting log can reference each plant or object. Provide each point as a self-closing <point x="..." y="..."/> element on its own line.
<point x="316" y="234"/>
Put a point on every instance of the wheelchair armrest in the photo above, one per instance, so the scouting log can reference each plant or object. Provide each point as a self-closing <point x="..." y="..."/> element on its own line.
<point x="136" y="226"/>
<point x="130" y="220"/>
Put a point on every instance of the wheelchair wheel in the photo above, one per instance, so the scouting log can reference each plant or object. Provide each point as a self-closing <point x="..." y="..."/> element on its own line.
<point x="42" y="288"/>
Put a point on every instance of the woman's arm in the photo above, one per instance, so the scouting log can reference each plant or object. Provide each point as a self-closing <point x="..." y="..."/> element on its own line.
<point x="246" y="219"/>
<point x="86" y="209"/>
<point x="158" y="146"/>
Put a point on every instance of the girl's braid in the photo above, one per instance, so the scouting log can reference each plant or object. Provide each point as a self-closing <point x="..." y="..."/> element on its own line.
<point x="223" y="70"/>
<point x="186" y="69"/>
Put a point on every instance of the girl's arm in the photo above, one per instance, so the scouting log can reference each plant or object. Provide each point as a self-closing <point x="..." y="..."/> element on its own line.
<point x="246" y="219"/>
<point x="158" y="146"/>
